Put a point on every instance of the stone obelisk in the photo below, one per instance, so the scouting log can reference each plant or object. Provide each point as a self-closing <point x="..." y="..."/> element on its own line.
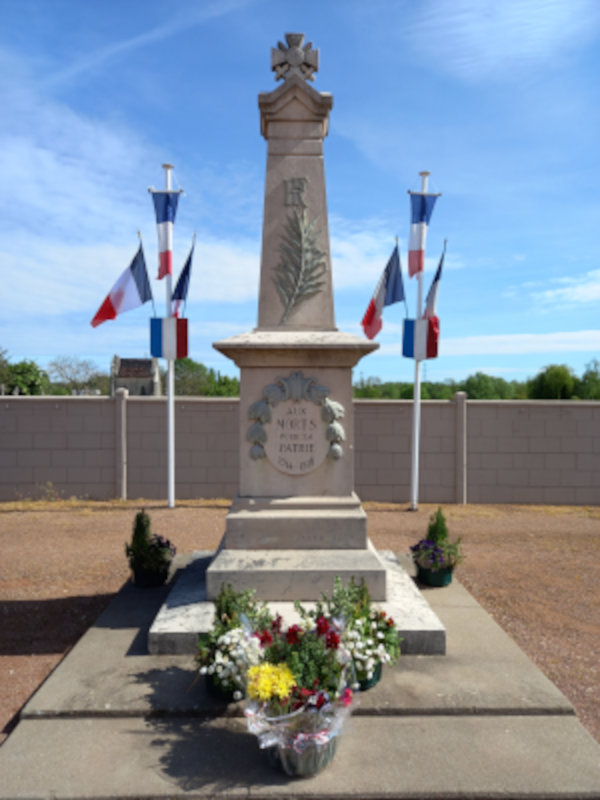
<point x="296" y="522"/>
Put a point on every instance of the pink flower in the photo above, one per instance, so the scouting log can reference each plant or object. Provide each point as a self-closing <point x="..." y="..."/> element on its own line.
<point x="346" y="697"/>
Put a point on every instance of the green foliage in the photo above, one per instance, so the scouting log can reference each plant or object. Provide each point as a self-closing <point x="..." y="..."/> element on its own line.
<point x="555" y="382"/>
<point x="148" y="551"/>
<point x="27" y="377"/>
<point x="194" y="378"/>
<point x="437" y="551"/>
<point x="437" y="530"/>
<point x="588" y="386"/>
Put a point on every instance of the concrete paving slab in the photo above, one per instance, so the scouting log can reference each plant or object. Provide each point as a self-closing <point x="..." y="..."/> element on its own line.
<point x="409" y="757"/>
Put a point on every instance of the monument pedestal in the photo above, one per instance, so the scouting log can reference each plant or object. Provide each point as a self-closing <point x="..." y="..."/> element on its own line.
<point x="296" y="523"/>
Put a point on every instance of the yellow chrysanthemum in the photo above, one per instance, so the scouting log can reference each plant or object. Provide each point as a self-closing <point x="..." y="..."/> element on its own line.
<point x="266" y="681"/>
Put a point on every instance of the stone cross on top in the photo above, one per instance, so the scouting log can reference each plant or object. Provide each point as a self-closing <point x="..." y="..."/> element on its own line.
<point x="294" y="59"/>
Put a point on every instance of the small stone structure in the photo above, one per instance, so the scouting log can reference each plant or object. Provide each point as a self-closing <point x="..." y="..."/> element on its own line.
<point x="140" y="376"/>
<point x="296" y="522"/>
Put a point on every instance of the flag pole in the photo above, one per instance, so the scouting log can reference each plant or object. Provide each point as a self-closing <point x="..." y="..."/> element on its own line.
<point x="170" y="380"/>
<point x="416" y="428"/>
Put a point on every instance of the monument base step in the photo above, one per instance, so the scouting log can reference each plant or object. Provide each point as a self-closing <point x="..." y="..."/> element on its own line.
<point x="295" y="574"/>
<point x="296" y="523"/>
<point x="187" y="612"/>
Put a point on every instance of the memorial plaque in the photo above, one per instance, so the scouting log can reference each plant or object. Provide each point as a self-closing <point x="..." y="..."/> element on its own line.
<point x="296" y="442"/>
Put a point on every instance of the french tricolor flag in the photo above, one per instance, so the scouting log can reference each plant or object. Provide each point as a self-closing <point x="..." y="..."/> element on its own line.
<point x="165" y="207"/>
<point x="420" y="338"/>
<point x="168" y="337"/>
<point x="130" y="291"/>
<point x="421" y="209"/>
<point x="390" y="289"/>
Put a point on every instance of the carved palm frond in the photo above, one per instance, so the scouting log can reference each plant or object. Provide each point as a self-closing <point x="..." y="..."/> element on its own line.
<point x="298" y="274"/>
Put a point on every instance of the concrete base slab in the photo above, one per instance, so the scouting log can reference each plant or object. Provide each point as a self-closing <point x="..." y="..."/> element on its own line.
<point x="296" y="523"/>
<point x="175" y="757"/>
<point x="295" y="574"/>
<point x="114" y="722"/>
<point x="187" y="612"/>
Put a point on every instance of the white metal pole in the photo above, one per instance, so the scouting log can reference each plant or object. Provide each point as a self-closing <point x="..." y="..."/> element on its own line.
<point x="170" y="382"/>
<point x="416" y="431"/>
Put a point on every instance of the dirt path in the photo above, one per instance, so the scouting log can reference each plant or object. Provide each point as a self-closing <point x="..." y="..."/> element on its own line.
<point x="535" y="569"/>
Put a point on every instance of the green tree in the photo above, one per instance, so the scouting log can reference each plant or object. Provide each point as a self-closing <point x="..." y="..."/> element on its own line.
<point x="27" y="377"/>
<point x="4" y="367"/>
<point x="588" y="386"/>
<point x="554" y="382"/>
<point x="194" y="378"/>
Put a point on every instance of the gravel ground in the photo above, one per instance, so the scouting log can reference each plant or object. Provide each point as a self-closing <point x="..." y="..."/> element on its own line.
<point x="535" y="569"/>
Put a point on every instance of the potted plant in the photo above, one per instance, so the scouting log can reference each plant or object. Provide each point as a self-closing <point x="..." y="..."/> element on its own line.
<point x="231" y="647"/>
<point x="149" y="554"/>
<point x="369" y="635"/>
<point x="298" y="696"/>
<point x="436" y="556"/>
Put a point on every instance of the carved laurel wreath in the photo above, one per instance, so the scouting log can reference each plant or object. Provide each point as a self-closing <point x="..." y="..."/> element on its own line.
<point x="296" y="388"/>
<point x="298" y="274"/>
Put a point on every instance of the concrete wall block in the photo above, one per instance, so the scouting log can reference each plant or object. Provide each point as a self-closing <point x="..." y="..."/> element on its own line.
<point x="588" y="462"/>
<point x="481" y="444"/>
<point x="545" y="444"/>
<point x="512" y="477"/>
<point x="100" y="421"/>
<point x="84" y="441"/>
<point x="530" y="461"/>
<point x="99" y="458"/>
<point x="588" y="495"/>
<point x="34" y="423"/>
<point x="510" y="444"/>
<point x="16" y="441"/>
<point x="68" y="458"/>
<point x="364" y="478"/>
<point x="545" y="478"/>
<point x="439" y="494"/>
<point x="558" y="495"/>
<point x="34" y="458"/>
<point x="481" y="477"/>
<point x="49" y="441"/>
<point x="389" y="444"/>
<point x="562" y="461"/>
<point x="8" y="458"/>
<point x="375" y="460"/>
<point x="577" y="444"/>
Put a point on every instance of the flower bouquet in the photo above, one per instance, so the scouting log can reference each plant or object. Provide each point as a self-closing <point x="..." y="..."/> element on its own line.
<point x="369" y="635"/>
<point x="227" y="652"/>
<point x="298" y="697"/>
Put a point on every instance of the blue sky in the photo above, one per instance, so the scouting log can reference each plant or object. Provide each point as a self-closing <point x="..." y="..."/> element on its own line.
<point x="500" y="101"/>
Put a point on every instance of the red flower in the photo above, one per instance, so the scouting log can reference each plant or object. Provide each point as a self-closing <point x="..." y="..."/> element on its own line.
<point x="332" y="640"/>
<point x="322" y="625"/>
<point x="293" y="634"/>
<point x="276" y="624"/>
<point x="265" y="638"/>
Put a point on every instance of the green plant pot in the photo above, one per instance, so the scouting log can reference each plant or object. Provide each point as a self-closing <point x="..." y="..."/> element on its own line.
<point x="147" y="578"/>
<point x="368" y="683"/>
<point x="439" y="577"/>
<point x="309" y="761"/>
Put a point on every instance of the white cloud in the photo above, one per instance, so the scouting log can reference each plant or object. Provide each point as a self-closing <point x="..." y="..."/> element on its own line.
<point x="522" y="343"/>
<point x="476" y="40"/>
<point x="584" y="289"/>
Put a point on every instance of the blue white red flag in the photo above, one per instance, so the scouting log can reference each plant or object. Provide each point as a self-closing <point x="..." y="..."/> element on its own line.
<point x="431" y="301"/>
<point x="421" y="209"/>
<point x="420" y="338"/>
<point x="168" y="337"/>
<point x="183" y="284"/>
<point x="165" y="208"/>
<point x="130" y="291"/>
<point x="390" y="289"/>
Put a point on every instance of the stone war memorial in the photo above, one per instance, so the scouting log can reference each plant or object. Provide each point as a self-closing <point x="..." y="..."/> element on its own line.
<point x="296" y="522"/>
<point x="464" y="713"/>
